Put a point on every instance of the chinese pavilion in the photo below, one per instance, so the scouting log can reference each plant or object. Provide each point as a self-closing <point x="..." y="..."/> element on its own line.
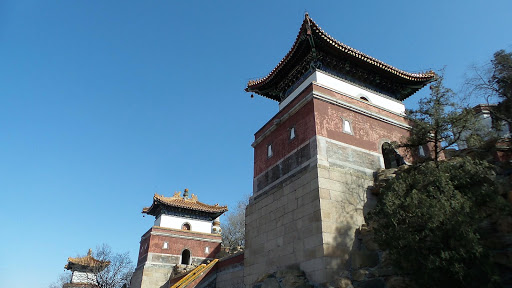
<point x="185" y="232"/>
<point x="314" y="160"/>
<point x="84" y="270"/>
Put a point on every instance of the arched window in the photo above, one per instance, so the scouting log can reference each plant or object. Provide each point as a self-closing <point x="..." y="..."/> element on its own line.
<point x="185" y="226"/>
<point x="391" y="158"/>
<point x="364" y="99"/>
<point x="185" y="257"/>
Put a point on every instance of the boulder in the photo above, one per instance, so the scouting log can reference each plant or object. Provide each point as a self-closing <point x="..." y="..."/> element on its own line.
<point x="361" y="259"/>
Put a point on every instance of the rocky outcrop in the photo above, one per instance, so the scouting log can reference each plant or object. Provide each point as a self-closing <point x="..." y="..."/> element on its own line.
<point x="287" y="278"/>
<point x="369" y="267"/>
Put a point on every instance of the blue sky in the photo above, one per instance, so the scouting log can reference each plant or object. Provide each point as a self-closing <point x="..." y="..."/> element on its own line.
<point x="104" y="103"/>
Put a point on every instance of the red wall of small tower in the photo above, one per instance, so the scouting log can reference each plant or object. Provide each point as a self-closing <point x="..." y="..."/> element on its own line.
<point x="155" y="243"/>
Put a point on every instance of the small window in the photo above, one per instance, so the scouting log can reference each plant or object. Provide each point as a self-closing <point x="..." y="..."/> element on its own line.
<point x="269" y="150"/>
<point x="364" y="99"/>
<point x="166" y="245"/>
<point x="185" y="226"/>
<point x="347" y="127"/>
<point x="207" y="250"/>
<point x="292" y="133"/>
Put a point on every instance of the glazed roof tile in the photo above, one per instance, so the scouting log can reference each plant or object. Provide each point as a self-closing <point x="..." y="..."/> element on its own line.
<point x="309" y="27"/>
<point x="178" y="201"/>
<point x="86" y="261"/>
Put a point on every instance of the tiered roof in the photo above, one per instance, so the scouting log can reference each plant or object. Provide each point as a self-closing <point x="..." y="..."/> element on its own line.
<point x="86" y="263"/>
<point x="313" y="48"/>
<point x="184" y="204"/>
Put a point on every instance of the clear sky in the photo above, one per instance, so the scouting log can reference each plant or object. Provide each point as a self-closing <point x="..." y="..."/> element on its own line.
<point x="104" y="103"/>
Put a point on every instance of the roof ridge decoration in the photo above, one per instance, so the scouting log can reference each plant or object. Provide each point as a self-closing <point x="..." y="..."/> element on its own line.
<point x="182" y="202"/>
<point x="300" y="52"/>
<point x="87" y="261"/>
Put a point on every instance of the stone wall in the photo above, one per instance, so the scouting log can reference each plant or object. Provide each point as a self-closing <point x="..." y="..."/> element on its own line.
<point x="156" y="260"/>
<point x="310" y="197"/>
<point x="344" y="200"/>
<point x="151" y="276"/>
<point x="230" y="271"/>
<point x="283" y="226"/>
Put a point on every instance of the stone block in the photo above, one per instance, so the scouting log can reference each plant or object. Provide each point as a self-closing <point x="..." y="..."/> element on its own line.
<point x="314" y="185"/>
<point x="313" y="241"/>
<point x="287" y="218"/>
<point x="314" y="252"/>
<point x="291" y="206"/>
<point x="316" y="216"/>
<point x="323" y="173"/>
<point x="324" y="194"/>
<point x="330" y="184"/>
<point x="311" y="265"/>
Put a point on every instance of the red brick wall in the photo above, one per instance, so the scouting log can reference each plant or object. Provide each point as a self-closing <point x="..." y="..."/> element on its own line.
<point x="368" y="133"/>
<point x="358" y="103"/>
<point x="177" y="245"/>
<point x="321" y="118"/>
<point x="143" y="249"/>
<point x="304" y="123"/>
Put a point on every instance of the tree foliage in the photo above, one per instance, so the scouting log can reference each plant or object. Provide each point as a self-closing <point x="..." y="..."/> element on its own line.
<point x="115" y="275"/>
<point x="494" y="83"/>
<point x="438" y="123"/>
<point x="430" y="216"/>
<point x="118" y="273"/>
<point x="63" y="279"/>
<point x="428" y="219"/>
<point x="233" y="229"/>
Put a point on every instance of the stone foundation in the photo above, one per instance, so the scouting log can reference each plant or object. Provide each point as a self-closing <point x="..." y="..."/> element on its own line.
<point x="308" y="216"/>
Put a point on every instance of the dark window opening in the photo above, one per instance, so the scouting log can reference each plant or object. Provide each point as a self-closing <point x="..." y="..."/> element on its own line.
<point x="185" y="257"/>
<point x="185" y="226"/>
<point x="391" y="158"/>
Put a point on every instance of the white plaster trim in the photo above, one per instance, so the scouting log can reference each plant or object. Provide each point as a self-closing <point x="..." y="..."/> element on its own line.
<point x="369" y="102"/>
<point x="311" y="78"/>
<point x="186" y="237"/>
<point x="365" y="112"/>
<point x="380" y="94"/>
<point x="283" y="118"/>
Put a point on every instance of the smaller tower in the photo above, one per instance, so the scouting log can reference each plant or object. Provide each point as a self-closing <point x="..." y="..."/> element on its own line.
<point x="185" y="232"/>
<point x="84" y="270"/>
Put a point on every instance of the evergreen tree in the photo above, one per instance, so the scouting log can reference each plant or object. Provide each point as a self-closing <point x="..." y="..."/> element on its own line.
<point x="428" y="219"/>
<point x="438" y="123"/>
